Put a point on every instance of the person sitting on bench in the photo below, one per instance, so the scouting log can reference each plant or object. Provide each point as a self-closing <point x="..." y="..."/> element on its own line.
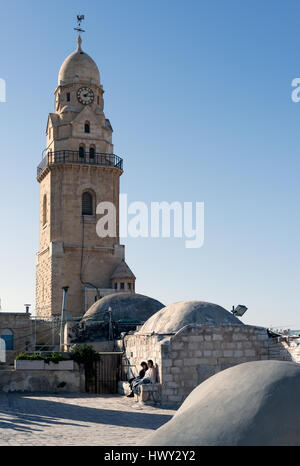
<point x="150" y="377"/>
<point x="135" y="380"/>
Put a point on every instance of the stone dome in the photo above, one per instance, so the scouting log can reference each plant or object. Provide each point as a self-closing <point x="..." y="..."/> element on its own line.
<point x="79" y="67"/>
<point x="124" y="306"/>
<point x="172" y="318"/>
<point x="255" y="403"/>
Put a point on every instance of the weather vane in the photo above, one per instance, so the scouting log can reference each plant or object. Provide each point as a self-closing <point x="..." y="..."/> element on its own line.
<point x="80" y="18"/>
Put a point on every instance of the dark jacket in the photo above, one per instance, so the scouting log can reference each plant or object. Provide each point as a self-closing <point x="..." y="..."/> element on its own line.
<point x="142" y="374"/>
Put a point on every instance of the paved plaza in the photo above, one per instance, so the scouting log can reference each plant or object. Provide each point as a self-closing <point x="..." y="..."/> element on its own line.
<point x="71" y="419"/>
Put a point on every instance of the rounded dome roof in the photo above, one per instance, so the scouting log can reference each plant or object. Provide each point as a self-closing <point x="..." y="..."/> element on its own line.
<point x="172" y="318"/>
<point x="255" y="403"/>
<point x="124" y="306"/>
<point x="79" y="67"/>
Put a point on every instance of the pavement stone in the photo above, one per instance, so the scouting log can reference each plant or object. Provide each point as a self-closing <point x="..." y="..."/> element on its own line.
<point x="76" y="419"/>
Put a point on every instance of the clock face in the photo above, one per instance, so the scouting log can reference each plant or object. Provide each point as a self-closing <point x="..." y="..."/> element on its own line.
<point x="85" y="95"/>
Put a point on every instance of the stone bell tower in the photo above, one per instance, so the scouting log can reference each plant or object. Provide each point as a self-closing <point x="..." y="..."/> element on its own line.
<point x="79" y="170"/>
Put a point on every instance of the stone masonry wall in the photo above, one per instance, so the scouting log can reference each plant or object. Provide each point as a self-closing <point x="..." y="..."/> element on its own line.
<point x="42" y="381"/>
<point x="195" y="353"/>
<point x="285" y="348"/>
<point x="140" y="348"/>
<point x="186" y="359"/>
<point x="21" y="326"/>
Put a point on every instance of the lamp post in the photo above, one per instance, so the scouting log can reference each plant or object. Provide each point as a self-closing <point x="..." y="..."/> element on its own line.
<point x="110" y="327"/>
<point x="62" y="323"/>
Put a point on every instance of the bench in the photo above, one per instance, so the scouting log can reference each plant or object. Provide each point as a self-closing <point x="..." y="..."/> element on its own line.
<point x="149" y="393"/>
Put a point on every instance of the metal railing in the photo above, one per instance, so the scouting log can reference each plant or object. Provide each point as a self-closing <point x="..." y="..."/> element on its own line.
<point x="83" y="158"/>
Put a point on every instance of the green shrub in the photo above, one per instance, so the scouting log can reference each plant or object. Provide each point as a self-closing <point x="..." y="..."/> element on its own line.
<point x="84" y="354"/>
<point x="87" y="356"/>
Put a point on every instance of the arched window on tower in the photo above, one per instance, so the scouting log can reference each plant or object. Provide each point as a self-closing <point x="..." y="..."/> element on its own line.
<point x="81" y="151"/>
<point x="87" y="203"/>
<point x="87" y="127"/>
<point x="44" y="209"/>
<point x="92" y="152"/>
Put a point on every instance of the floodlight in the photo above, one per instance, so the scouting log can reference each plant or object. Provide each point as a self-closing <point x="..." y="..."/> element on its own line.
<point x="239" y="310"/>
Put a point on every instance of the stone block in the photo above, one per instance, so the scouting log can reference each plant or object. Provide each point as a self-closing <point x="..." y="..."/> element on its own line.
<point x="168" y="391"/>
<point x="174" y="398"/>
<point x="178" y="363"/>
<point x="239" y="336"/>
<point x="61" y="366"/>
<point x="26" y="364"/>
<point x="177" y="345"/>
<point x="190" y="362"/>
<point x="196" y="338"/>
<point x="217" y="337"/>
<point x="193" y="346"/>
<point x="172" y="385"/>
<point x="167" y="362"/>
<point x="208" y="345"/>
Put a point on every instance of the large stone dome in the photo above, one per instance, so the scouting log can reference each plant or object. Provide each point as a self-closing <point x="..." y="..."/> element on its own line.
<point x="124" y="306"/>
<point x="255" y="403"/>
<point x="172" y="318"/>
<point x="79" y="67"/>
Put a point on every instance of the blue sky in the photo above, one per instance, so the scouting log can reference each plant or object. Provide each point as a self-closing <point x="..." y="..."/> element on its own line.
<point x="199" y="96"/>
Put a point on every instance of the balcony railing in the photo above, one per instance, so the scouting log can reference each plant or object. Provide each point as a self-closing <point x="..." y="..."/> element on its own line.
<point x="69" y="156"/>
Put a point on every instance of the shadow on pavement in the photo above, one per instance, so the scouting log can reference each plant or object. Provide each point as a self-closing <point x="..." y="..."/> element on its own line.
<point x="28" y="412"/>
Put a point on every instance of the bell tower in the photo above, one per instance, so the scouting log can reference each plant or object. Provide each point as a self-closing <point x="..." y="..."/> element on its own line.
<point x="78" y="171"/>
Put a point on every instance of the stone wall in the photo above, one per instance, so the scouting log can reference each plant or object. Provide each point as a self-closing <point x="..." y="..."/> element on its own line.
<point x="196" y="352"/>
<point x="50" y="381"/>
<point x="285" y="348"/>
<point x="138" y="348"/>
<point x="21" y="326"/>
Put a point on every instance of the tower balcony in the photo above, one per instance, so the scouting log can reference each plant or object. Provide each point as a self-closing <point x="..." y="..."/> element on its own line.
<point x="81" y="158"/>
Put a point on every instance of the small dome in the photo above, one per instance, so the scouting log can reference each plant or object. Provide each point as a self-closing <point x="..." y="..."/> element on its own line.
<point x="124" y="306"/>
<point x="172" y="318"/>
<point x="79" y="67"/>
<point x="251" y="404"/>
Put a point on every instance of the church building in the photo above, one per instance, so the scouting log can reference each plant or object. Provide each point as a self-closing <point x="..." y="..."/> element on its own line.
<point x="78" y="171"/>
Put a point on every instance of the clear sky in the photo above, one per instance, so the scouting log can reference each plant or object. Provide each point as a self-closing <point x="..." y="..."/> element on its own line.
<point x="199" y="96"/>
